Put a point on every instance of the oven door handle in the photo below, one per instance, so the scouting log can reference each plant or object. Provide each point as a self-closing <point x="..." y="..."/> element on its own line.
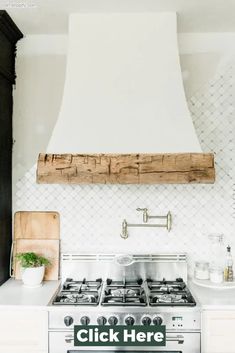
<point x="69" y="338"/>
<point x="177" y="338"/>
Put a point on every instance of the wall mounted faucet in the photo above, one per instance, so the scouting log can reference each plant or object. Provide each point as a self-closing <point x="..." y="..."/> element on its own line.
<point x="146" y="217"/>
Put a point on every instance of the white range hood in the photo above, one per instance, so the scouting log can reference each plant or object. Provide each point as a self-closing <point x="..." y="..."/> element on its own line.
<point x="124" y="118"/>
<point x="123" y="90"/>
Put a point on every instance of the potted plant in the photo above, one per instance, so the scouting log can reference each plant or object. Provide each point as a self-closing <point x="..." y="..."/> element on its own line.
<point x="32" y="268"/>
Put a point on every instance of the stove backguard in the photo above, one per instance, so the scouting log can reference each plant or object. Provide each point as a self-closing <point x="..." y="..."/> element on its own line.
<point x="154" y="266"/>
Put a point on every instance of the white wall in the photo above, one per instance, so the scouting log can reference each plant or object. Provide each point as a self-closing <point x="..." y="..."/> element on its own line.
<point x="91" y="216"/>
<point x="40" y="68"/>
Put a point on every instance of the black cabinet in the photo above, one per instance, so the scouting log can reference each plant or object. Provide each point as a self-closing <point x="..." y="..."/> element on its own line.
<point x="9" y="35"/>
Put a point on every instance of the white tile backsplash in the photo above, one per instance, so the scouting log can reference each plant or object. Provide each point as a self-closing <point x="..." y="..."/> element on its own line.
<point x="91" y="215"/>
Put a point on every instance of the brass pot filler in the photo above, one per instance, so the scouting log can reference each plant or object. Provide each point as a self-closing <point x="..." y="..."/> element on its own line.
<point x="146" y="218"/>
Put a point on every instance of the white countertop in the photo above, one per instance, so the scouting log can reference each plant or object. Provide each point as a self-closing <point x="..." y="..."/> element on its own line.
<point x="13" y="293"/>
<point x="213" y="299"/>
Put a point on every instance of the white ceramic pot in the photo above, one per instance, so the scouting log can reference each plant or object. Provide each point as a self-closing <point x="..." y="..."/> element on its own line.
<point x="32" y="276"/>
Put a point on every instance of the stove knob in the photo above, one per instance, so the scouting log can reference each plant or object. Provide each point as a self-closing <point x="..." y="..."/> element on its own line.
<point x="85" y="320"/>
<point x="68" y="320"/>
<point x="129" y="321"/>
<point x="157" y="320"/>
<point x="146" y="321"/>
<point x="113" y="320"/>
<point x="101" y="320"/>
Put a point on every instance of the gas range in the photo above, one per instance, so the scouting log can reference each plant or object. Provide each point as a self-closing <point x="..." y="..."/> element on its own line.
<point x="125" y="293"/>
<point x="151" y="291"/>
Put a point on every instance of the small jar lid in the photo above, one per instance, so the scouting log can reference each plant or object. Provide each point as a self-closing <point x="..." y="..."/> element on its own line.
<point x="216" y="269"/>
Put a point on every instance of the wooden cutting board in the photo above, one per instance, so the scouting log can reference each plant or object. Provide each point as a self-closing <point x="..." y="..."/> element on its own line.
<point x="36" y="225"/>
<point x="47" y="248"/>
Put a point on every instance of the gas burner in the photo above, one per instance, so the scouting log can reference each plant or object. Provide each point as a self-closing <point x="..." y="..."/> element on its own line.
<point x="174" y="293"/>
<point x="79" y="292"/>
<point x="124" y="293"/>
<point x="74" y="298"/>
<point x="169" y="298"/>
<point x="120" y="292"/>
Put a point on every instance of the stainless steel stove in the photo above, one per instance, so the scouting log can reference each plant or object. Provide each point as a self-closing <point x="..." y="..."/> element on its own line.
<point x="151" y="291"/>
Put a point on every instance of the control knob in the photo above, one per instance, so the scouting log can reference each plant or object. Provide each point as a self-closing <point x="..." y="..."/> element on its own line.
<point x="146" y="321"/>
<point x="129" y="321"/>
<point x="101" y="320"/>
<point x="113" y="320"/>
<point x="157" y="320"/>
<point x="68" y="320"/>
<point x="85" y="320"/>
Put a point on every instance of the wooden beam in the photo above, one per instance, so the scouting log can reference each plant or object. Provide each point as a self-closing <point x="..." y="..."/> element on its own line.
<point x="177" y="168"/>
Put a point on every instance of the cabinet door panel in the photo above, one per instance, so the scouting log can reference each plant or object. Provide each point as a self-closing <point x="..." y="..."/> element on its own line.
<point x="218" y="329"/>
<point x="9" y="35"/>
<point x="23" y="331"/>
<point x="5" y="176"/>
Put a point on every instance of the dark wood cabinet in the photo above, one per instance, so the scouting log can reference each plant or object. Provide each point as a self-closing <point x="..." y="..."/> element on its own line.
<point x="9" y="35"/>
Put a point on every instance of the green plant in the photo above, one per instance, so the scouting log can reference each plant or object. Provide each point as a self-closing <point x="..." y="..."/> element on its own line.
<point x="30" y="259"/>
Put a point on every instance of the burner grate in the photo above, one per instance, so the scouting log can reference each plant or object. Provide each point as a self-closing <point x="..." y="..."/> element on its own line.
<point x="124" y="301"/>
<point x="124" y="293"/>
<point x="169" y="293"/>
<point x="79" y="292"/>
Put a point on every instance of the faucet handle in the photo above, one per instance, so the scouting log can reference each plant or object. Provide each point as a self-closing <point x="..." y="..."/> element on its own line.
<point x="145" y="214"/>
<point x="124" y="233"/>
<point x="168" y="221"/>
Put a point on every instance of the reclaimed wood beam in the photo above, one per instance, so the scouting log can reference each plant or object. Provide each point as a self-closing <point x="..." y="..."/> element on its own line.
<point x="175" y="168"/>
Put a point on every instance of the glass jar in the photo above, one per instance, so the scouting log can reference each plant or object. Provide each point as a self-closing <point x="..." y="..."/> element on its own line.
<point x="217" y="251"/>
<point x="216" y="275"/>
<point x="201" y="270"/>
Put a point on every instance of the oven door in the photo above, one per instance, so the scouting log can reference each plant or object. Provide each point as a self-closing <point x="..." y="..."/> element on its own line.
<point x="183" y="342"/>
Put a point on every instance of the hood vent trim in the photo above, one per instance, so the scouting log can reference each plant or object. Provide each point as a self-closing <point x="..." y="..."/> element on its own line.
<point x="174" y="168"/>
